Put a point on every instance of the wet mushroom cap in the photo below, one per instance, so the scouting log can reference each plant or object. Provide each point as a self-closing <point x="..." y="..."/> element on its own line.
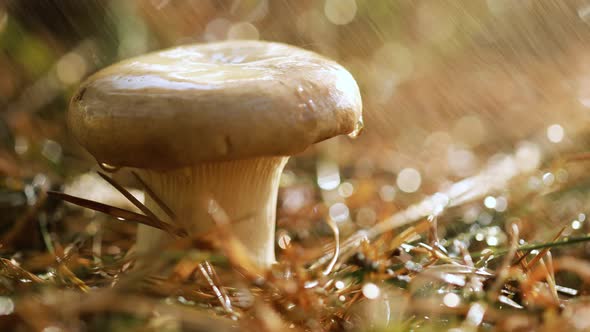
<point x="213" y="102"/>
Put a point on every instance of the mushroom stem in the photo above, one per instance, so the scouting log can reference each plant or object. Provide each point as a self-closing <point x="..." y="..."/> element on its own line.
<point x="245" y="189"/>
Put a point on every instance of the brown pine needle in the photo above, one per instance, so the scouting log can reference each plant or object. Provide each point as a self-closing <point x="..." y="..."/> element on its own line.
<point x="543" y="252"/>
<point x="584" y="156"/>
<point x="402" y="237"/>
<point x="155" y="197"/>
<point x="68" y="275"/>
<point x="129" y="197"/>
<point x="119" y="213"/>
<point x="11" y="271"/>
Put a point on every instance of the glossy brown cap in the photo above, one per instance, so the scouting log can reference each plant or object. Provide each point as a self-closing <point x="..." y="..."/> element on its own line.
<point x="209" y="102"/>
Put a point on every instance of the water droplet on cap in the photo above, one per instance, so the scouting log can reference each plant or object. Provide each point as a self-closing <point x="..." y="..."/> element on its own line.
<point x="358" y="129"/>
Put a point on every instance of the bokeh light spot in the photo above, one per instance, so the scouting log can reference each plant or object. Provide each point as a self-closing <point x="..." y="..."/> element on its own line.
<point x="366" y="217"/>
<point x="555" y="133"/>
<point x="217" y="29"/>
<point x="6" y="306"/>
<point x="451" y="300"/>
<point x="409" y="180"/>
<point x="340" y="11"/>
<point x="328" y="175"/>
<point x="387" y="193"/>
<point x="71" y="68"/>
<point x="346" y="189"/>
<point x="576" y="224"/>
<point x="243" y="30"/>
<point x="490" y="202"/>
<point x="339" y="212"/>
<point x="528" y="156"/>
<point x="371" y="291"/>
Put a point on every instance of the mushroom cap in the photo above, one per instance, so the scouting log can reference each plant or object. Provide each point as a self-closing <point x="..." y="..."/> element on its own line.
<point x="211" y="102"/>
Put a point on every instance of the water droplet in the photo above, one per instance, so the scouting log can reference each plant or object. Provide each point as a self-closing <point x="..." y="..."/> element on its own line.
<point x="358" y="128"/>
<point x="108" y="168"/>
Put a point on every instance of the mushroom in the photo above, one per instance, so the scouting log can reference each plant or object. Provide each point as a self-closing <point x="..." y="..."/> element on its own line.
<point x="214" y="121"/>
